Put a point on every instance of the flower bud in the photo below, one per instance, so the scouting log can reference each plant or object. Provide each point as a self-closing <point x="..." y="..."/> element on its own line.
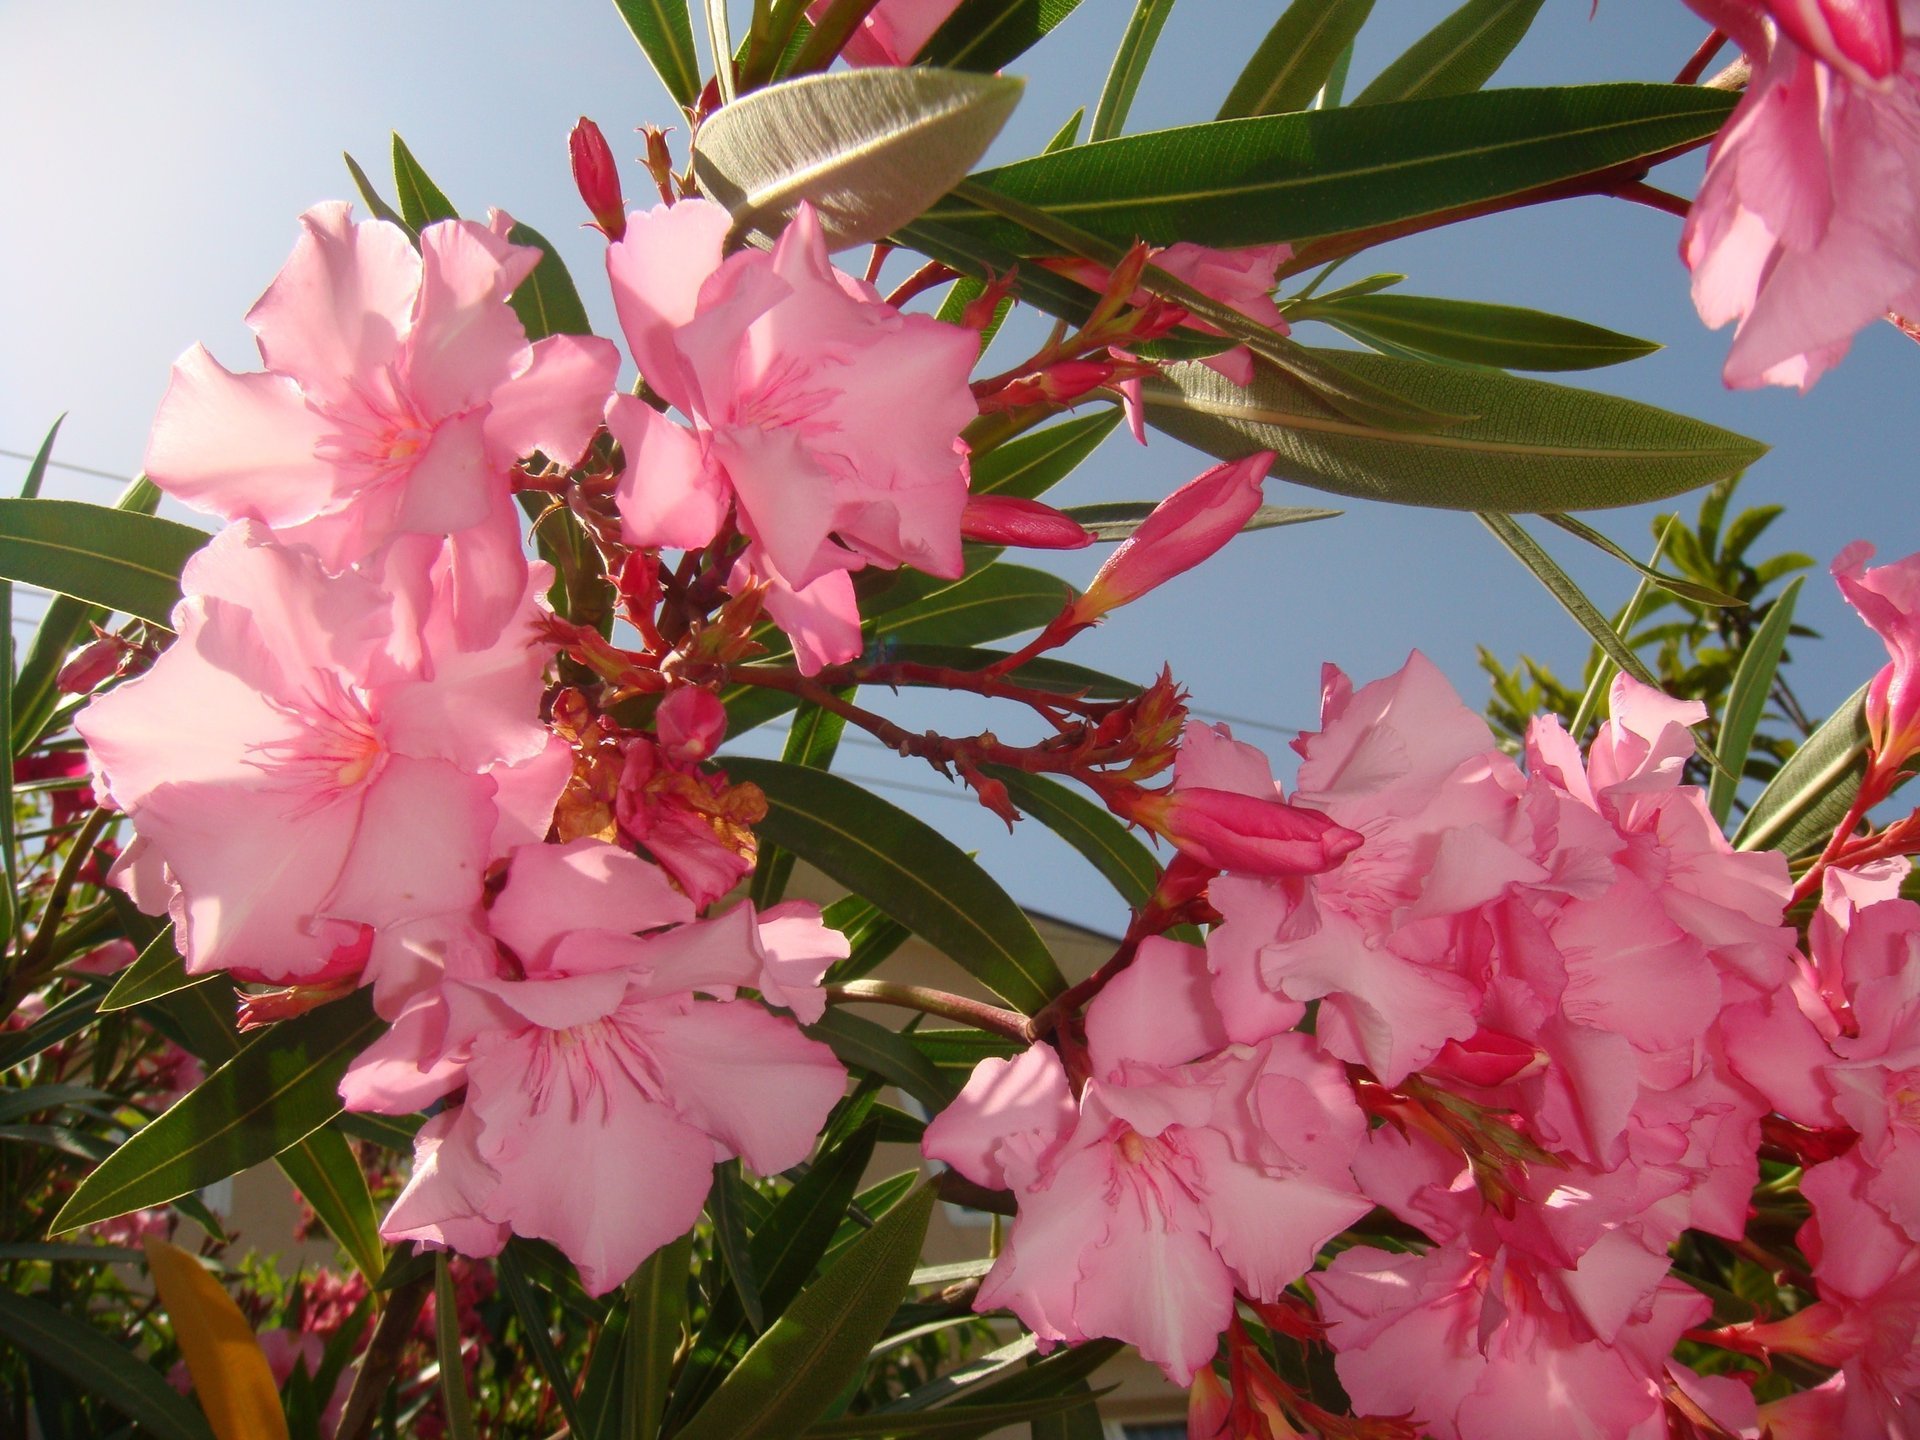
<point x="1208" y="1405"/>
<point x="1012" y="520"/>
<point x="1245" y="834"/>
<point x="92" y="666"/>
<point x="691" y="724"/>
<point x="598" y="178"/>
<point x="1184" y="529"/>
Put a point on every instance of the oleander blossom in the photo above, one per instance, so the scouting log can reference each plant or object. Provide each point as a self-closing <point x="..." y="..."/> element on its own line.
<point x="1887" y="597"/>
<point x="1187" y="1169"/>
<point x="823" y="422"/>
<point x="294" y="784"/>
<point x="626" y="1063"/>
<point x="1807" y="226"/>
<point x="399" y="392"/>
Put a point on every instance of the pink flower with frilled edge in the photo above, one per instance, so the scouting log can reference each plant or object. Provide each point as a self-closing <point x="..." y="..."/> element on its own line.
<point x="1807" y="225"/>
<point x="298" y="783"/>
<point x="399" y="392"/>
<point x="1185" y="1172"/>
<point x="892" y="32"/>
<point x="1408" y="768"/>
<point x="1888" y="599"/>
<point x="627" y="1062"/>
<point x="824" y="421"/>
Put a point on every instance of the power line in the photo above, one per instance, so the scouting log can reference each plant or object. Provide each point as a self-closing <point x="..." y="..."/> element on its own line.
<point x="68" y="465"/>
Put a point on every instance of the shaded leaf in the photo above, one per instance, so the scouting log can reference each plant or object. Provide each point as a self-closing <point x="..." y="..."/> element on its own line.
<point x="530" y="1309"/>
<point x="158" y="970"/>
<point x="867" y="1045"/>
<point x="1469" y="332"/>
<point x="1297" y="57"/>
<point x="117" y="559"/>
<point x="1458" y="55"/>
<point x="108" y="1371"/>
<point x="1747" y="699"/>
<point x="325" y="1170"/>
<point x="985" y="34"/>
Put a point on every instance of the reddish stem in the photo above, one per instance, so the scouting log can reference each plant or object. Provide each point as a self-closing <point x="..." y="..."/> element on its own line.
<point x="1655" y="198"/>
<point x="1696" y="65"/>
<point x="922" y="280"/>
<point x="928" y="1001"/>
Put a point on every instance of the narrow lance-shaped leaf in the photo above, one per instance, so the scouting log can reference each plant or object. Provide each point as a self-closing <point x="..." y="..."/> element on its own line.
<point x="1324" y="172"/>
<point x="1604" y="670"/>
<point x="1033" y="464"/>
<point x="530" y="1309"/>
<point x="546" y="301"/>
<point x="720" y="43"/>
<point x="869" y="148"/>
<point x="1530" y="446"/>
<point x="812" y="740"/>
<point x="158" y="970"/>
<point x="984" y="35"/>
<point x="1747" y="699"/>
<point x="324" y="1169"/>
<point x="656" y="1298"/>
<point x="911" y="871"/>
<point x="800" y="1366"/>
<point x="376" y="203"/>
<point x="1129" y="64"/>
<point x="421" y="201"/>
<point x="665" y="34"/>
<point x="730" y="1232"/>
<point x="1468" y="332"/>
<point x="112" y="558"/>
<point x="231" y="1378"/>
<point x="456" y="1403"/>
<point x="1813" y="790"/>
<point x="1124" y="861"/>
<point x="1458" y="55"/>
<point x="108" y="1371"/>
<point x="1292" y="64"/>
<point x="1117" y="519"/>
<point x="867" y="1045"/>
<point x="1672" y="584"/>
<point x="278" y="1089"/>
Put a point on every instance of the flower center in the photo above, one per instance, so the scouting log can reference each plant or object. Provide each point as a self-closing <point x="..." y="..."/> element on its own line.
<point x="337" y="751"/>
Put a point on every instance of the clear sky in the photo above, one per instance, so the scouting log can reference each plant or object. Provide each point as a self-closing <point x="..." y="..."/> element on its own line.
<point x="154" y="159"/>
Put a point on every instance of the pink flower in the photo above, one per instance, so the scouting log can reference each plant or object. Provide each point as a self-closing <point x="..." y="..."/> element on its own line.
<point x="399" y="392"/>
<point x="1187" y="527"/>
<point x="1186" y="1172"/>
<point x="298" y="782"/>
<point x="893" y="32"/>
<point x="1012" y="520"/>
<point x="1807" y="226"/>
<point x="825" y="421"/>
<point x="624" y="1062"/>
<point x="1888" y="599"/>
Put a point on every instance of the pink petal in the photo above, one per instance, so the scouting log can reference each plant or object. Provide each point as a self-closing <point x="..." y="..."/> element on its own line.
<point x="670" y="493"/>
<point x="585" y="884"/>
<point x="525" y="794"/>
<point x="822" y="621"/>
<point x="1158" y="1011"/>
<point x="556" y="404"/>
<point x="1161" y="1288"/>
<point x="420" y="848"/>
<point x="466" y="340"/>
<point x="1269" y="1228"/>
<point x="657" y="270"/>
<point x="441" y="1202"/>
<point x="1001" y="1098"/>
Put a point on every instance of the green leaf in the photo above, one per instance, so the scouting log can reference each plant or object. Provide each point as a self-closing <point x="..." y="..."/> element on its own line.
<point x="1813" y="790"/>
<point x="955" y="1422"/>
<point x="1531" y="446"/>
<point x="1117" y="519"/>
<point x="799" y="1367"/>
<point x="1124" y="861"/>
<point x="275" y="1091"/>
<point x="1129" y="64"/>
<point x="665" y="33"/>
<point x="1034" y="463"/>
<point x="1527" y="550"/>
<point x="871" y="935"/>
<point x="37" y="1099"/>
<point x="158" y="970"/>
<point x="1673" y="584"/>
<point x="68" y="1018"/>
<point x="106" y="1370"/>
<point x="960" y="1050"/>
<point x="984" y="35"/>
<point x="785" y="1250"/>
<point x="37" y="467"/>
<point x="602" y="1400"/>
<point x="531" y="1311"/>
<point x="51" y="1253"/>
<point x="546" y="300"/>
<point x="1068" y="134"/>
<point x="870" y="148"/>
<point x="720" y="41"/>
<point x="1458" y="55"/>
<point x="1323" y="172"/>
<point x="872" y="1047"/>
<point x="911" y="871"/>
<point x="1471" y="333"/>
<point x="1747" y="699"/>
<point x="375" y="202"/>
<point x="1056" y="677"/>
<point x="1001" y="1376"/>
<point x="325" y="1170"/>
<point x="730" y="1230"/>
<point x="421" y="201"/>
<point x="656" y="1297"/>
<point x="1295" y="60"/>
<point x="812" y="740"/>
<point x="117" y="559"/>
<point x="456" y="1403"/>
<point x="998" y="600"/>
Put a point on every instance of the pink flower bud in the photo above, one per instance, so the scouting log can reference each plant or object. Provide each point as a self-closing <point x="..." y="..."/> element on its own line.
<point x="1011" y="520"/>
<point x="691" y="724"/>
<point x="1245" y="834"/>
<point x="598" y="178"/>
<point x="1860" y="38"/>
<point x="1208" y="1405"/>
<point x="92" y="666"/>
<point x="1485" y="1059"/>
<point x="1184" y="529"/>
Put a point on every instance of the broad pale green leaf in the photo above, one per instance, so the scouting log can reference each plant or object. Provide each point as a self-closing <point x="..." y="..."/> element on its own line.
<point x="872" y="1047"/>
<point x="1323" y="172"/>
<point x="1813" y="790"/>
<point x="1530" y="446"/>
<point x="1747" y="699"/>
<point x="665" y="33"/>
<point x="421" y="201"/>
<point x="530" y="1308"/>
<point x="106" y="1370"/>
<point x="1117" y="519"/>
<point x="1458" y="55"/>
<point x="276" y="1090"/>
<point x="785" y="1248"/>
<point x="1468" y="332"/>
<point x="911" y="871"/>
<point x="1107" y="845"/>
<point x="117" y="559"/>
<point x="869" y="148"/>
<point x="798" y="1368"/>
<point x="546" y="301"/>
<point x="984" y="35"/>
<point x="157" y="971"/>
<point x="1293" y="62"/>
<point x="1034" y="463"/>
<point x="1129" y="64"/>
<point x="324" y="1169"/>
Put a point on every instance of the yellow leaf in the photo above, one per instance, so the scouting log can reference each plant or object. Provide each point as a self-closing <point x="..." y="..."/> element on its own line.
<point x="231" y="1378"/>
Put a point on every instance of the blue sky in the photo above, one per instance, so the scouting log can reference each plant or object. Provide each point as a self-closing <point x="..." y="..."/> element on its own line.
<point x="157" y="156"/>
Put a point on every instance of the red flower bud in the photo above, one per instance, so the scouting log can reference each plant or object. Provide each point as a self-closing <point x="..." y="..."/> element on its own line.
<point x="95" y="664"/>
<point x="598" y="178"/>
<point x="1245" y="834"/>
<point x="1011" y="520"/>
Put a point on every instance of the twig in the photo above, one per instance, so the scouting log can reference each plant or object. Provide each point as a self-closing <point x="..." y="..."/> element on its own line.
<point x="382" y="1360"/>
